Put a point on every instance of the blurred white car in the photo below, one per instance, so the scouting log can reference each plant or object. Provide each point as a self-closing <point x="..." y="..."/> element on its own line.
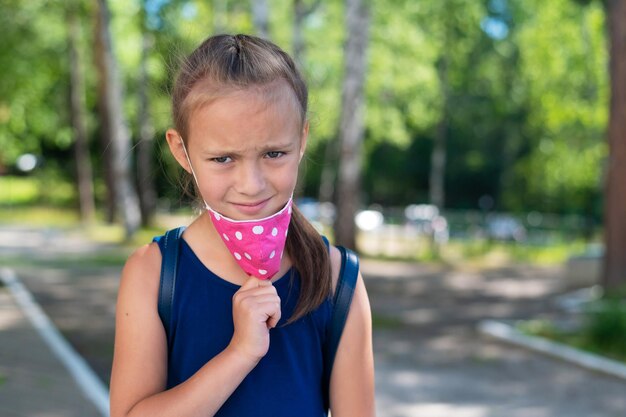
<point x="427" y="220"/>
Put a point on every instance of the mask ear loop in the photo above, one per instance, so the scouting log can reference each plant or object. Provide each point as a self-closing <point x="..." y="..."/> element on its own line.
<point x="193" y="172"/>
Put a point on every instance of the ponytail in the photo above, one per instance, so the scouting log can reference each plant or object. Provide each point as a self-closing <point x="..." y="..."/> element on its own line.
<point x="310" y="257"/>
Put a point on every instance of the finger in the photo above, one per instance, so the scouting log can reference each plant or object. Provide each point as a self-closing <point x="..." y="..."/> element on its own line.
<point x="267" y="298"/>
<point x="271" y="313"/>
<point x="274" y="318"/>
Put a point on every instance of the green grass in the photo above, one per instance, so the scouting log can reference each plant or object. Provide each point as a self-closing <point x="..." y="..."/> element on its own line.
<point x="114" y="234"/>
<point x="603" y="331"/>
<point x="48" y="188"/>
<point x="507" y="252"/>
<point x="477" y="252"/>
<point x="111" y="258"/>
<point x="18" y="190"/>
<point x="67" y="218"/>
<point x="119" y="248"/>
<point x="39" y="216"/>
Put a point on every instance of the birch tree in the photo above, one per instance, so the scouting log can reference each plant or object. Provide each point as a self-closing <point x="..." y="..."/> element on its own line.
<point x="145" y="148"/>
<point x="84" y="171"/>
<point x="351" y="129"/>
<point x="115" y="131"/>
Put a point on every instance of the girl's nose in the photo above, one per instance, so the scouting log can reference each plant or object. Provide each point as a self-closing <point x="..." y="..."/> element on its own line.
<point x="250" y="179"/>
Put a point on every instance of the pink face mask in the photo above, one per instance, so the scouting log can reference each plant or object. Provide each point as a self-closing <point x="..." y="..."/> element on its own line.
<point x="256" y="245"/>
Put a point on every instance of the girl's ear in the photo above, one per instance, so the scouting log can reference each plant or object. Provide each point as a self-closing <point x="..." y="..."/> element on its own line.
<point x="175" y="142"/>
<point x="303" y="139"/>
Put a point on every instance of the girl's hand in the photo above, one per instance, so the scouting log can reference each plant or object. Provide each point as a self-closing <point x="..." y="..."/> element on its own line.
<point x="256" y="309"/>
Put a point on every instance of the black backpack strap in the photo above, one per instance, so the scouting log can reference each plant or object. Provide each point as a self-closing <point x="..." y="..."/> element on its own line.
<point x="169" y="268"/>
<point x="348" y="275"/>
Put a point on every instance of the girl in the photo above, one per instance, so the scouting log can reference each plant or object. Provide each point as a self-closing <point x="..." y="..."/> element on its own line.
<point x="250" y="310"/>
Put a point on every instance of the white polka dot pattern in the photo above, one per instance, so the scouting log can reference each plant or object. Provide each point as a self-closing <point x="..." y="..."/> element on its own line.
<point x="255" y="243"/>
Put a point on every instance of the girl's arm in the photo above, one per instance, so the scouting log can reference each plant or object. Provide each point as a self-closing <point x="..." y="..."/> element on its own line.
<point x="352" y="378"/>
<point x="139" y="373"/>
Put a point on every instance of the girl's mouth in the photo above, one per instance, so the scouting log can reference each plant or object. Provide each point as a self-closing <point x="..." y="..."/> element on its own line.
<point x="251" y="209"/>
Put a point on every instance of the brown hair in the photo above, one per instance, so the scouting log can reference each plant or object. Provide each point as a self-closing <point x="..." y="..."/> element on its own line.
<point x="226" y="63"/>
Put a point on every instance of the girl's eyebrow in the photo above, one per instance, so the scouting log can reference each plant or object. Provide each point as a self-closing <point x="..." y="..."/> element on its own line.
<point x="276" y="146"/>
<point x="262" y="148"/>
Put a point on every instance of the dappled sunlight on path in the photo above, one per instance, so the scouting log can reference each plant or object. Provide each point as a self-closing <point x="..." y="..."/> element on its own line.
<point x="431" y="361"/>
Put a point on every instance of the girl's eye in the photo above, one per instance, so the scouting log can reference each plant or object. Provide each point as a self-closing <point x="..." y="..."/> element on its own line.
<point x="221" y="159"/>
<point x="274" y="154"/>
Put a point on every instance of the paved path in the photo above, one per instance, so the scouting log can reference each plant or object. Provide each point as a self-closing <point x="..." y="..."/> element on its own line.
<point x="434" y="363"/>
<point x="32" y="380"/>
<point x="430" y="361"/>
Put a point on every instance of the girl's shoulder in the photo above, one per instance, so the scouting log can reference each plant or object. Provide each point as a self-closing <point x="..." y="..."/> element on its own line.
<point x="142" y="270"/>
<point x="145" y="258"/>
<point x="335" y="265"/>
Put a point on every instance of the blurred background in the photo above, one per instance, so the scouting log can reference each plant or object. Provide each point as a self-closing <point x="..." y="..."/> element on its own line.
<point x="463" y="147"/>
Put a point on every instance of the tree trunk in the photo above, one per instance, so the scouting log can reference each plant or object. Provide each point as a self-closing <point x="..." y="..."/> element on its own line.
<point x="145" y="147"/>
<point x="112" y="120"/>
<point x="260" y="17"/>
<point x="84" y="172"/>
<point x="614" y="271"/>
<point x="300" y="12"/>
<point x="110" y="201"/>
<point x="327" y="180"/>
<point x="438" y="156"/>
<point x="351" y="130"/>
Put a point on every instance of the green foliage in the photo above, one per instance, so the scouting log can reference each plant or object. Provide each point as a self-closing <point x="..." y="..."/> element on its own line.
<point x="323" y="68"/>
<point x="32" y="86"/>
<point x="402" y="86"/>
<point x="563" y="60"/>
<point x="526" y="107"/>
<point x="605" y="328"/>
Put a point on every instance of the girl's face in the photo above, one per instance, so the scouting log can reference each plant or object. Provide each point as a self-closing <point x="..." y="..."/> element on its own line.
<point x="245" y="149"/>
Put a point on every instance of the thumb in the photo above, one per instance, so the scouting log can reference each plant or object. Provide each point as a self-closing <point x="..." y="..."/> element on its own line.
<point x="251" y="282"/>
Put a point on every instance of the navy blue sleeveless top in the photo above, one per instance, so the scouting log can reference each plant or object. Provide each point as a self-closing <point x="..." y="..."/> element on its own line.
<point x="287" y="382"/>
